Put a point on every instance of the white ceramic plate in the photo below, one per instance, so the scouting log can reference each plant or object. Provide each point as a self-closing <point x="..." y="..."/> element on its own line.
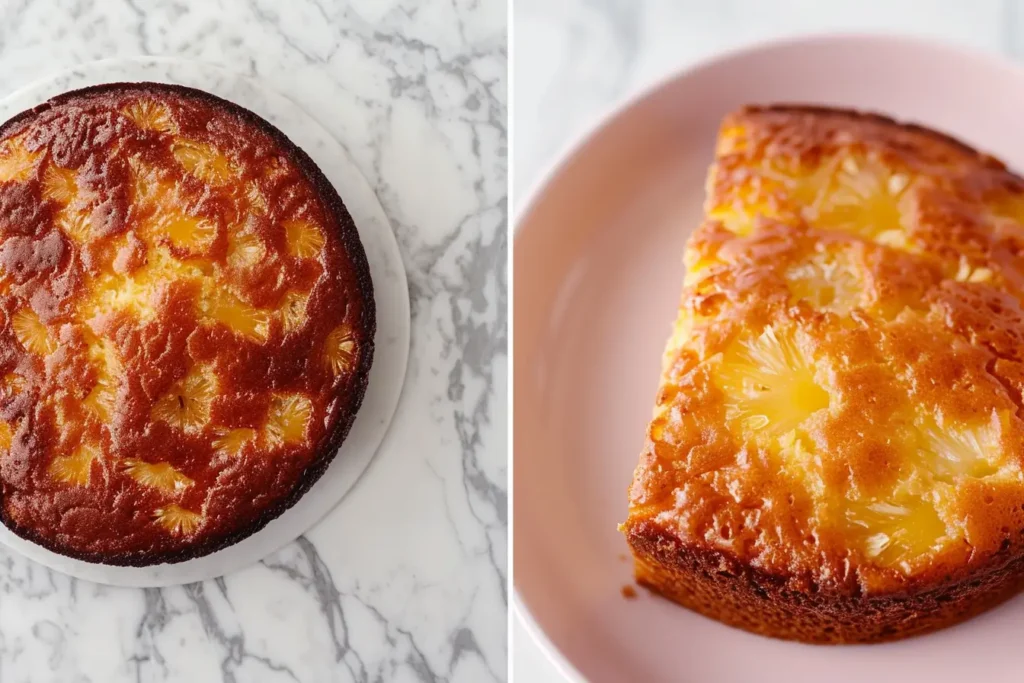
<point x="390" y="292"/>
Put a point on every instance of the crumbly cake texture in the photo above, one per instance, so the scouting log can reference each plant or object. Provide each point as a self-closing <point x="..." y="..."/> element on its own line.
<point x="187" y="323"/>
<point x="836" y="449"/>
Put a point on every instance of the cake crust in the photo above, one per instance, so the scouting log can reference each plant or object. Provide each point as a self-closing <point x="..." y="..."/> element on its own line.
<point x="265" y="288"/>
<point x="720" y="587"/>
<point x="836" y="449"/>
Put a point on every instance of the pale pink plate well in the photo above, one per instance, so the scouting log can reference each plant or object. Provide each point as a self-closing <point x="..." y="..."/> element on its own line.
<point x="597" y="276"/>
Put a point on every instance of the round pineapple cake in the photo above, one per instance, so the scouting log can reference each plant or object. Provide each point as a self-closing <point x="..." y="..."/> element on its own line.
<point x="186" y="323"/>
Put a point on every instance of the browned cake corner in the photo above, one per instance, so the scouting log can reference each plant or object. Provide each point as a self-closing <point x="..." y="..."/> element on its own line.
<point x="836" y="449"/>
<point x="187" y="323"/>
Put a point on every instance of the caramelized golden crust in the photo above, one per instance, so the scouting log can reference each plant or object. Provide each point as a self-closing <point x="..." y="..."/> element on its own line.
<point x="187" y="323"/>
<point x="837" y="444"/>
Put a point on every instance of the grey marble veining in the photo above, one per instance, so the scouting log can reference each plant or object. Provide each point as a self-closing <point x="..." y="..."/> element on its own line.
<point x="405" y="580"/>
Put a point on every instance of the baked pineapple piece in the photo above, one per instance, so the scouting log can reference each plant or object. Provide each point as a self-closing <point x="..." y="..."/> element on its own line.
<point x="836" y="449"/>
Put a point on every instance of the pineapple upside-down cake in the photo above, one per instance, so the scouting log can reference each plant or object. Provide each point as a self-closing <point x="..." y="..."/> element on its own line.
<point x="186" y="323"/>
<point x="837" y="444"/>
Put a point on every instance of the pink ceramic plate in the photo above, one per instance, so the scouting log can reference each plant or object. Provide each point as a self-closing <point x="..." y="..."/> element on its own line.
<point x="597" y="277"/>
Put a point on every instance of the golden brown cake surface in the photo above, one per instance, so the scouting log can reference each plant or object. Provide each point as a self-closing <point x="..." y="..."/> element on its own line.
<point x="187" y="323"/>
<point x="837" y="446"/>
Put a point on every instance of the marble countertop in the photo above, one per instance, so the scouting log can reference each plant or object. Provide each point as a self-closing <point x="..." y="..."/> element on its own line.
<point x="575" y="60"/>
<point x="406" y="579"/>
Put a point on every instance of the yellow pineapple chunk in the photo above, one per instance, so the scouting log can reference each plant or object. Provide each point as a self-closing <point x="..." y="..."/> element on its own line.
<point x="230" y="442"/>
<point x="138" y="293"/>
<point x="164" y="266"/>
<point x="293" y="310"/>
<point x="16" y="162"/>
<point x="6" y="436"/>
<point x="158" y="475"/>
<point x="799" y="459"/>
<point x="807" y="186"/>
<point x="102" y="398"/>
<point x="177" y="519"/>
<point x="906" y="524"/>
<point x="303" y="238"/>
<point x="770" y="383"/>
<point x="867" y="199"/>
<point x="244" y="250"/>
<point x="828" y="281"/>
<point x="257" y="202"/>
<point x="147" y="185"/>
<point x="75" y="468"/>
<point x="151" y="115"/>
<point x="204" y="161"/>
<point x="740" y="207"/>
<point x="220" y="305"/>
<point x="135" y="295"/>
<point x="187" y="404"/>
<point x="189" y="232"/>
<point x="894" y="533"/>
<point x="949" y="451"/>
<point x="340" y="349"/>
<point x="59" y="184"/>
<point x="171" y="219"/>
<point x="103" y="353"/>
<point x="287" y="419"/>
<point x="75" y="224"/>
<point x="32" y="333"/>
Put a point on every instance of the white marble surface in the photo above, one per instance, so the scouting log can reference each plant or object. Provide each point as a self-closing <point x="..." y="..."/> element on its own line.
<point x="574" y="60"/>
<point x="406" y="579"/>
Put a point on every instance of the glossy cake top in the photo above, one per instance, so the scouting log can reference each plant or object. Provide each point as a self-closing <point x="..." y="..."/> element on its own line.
<point x="841" y="398"/>
<point x="187" y="323"/>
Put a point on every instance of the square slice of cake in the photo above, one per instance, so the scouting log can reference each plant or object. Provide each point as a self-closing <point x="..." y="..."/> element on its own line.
<point x="836" y="448"/>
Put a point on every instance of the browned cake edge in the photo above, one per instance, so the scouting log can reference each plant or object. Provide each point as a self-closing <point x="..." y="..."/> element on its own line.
<point x="864" y="116"/>
<point x="716" y="585"/>
<point x="349" y="237"/>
